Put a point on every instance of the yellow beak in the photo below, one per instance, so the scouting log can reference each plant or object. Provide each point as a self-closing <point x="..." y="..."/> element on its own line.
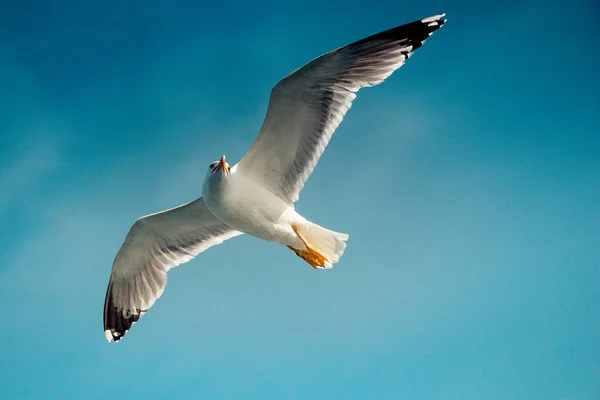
<point x="223" y="164"/>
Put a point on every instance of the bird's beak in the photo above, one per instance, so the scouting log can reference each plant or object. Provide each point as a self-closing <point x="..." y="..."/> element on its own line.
<point x="223" y="164"/>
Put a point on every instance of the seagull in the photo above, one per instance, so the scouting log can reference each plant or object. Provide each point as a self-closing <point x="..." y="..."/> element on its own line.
<point x="257" y="195"/>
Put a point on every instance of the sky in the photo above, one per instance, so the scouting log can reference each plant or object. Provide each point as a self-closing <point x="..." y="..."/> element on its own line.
<point x="468" y="183"/>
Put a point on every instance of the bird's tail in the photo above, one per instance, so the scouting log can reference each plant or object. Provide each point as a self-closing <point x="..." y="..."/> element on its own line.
<point x="323" y="247"/>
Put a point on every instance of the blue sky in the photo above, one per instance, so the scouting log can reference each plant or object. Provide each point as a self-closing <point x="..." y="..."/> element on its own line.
<point x="468" y="183"/>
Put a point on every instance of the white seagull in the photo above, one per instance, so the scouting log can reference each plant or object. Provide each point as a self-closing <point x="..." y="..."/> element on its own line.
<point x="257" y="195"/>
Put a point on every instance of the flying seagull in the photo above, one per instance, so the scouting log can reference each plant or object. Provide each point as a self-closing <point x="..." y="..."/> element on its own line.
<point x="257" y="195"/>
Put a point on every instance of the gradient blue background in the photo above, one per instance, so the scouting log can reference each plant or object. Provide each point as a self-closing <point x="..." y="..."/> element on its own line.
<point x="469" y="183"/>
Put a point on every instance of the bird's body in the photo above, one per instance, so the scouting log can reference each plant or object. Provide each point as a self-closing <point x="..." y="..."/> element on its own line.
<point x="244" y="205"/>
<point x="257" y="195"/>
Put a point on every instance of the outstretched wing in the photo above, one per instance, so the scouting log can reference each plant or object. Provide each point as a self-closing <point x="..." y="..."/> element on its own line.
<point x="155" y="244"/>
<point x="307" y="106"/>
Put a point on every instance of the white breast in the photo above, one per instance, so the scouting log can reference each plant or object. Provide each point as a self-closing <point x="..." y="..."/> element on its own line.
<point x="244" y="205"/>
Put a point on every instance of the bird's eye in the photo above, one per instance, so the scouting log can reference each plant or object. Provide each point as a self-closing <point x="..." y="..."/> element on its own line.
<point x="212" y="165"/>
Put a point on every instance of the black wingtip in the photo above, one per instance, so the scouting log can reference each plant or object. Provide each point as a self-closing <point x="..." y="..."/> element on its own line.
<point x="116" y="324"/>
<point x="415" y="32"/>
<point x="419" y="31"/>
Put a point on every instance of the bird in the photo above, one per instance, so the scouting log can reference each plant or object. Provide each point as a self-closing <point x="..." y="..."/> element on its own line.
<point x="257" y="195"/>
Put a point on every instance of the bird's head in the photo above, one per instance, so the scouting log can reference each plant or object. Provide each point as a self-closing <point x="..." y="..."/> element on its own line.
<point x="218" y="169"/>
<point x="216" y="178"/>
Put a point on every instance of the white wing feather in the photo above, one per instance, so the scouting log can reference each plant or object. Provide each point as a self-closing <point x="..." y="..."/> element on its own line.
<point x="307" y="106"/>
<point x="155" y="244"/>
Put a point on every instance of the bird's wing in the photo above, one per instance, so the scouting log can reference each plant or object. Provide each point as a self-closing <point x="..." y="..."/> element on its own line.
<point x="155" y="244"/>
<point x="307" y="106"/>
